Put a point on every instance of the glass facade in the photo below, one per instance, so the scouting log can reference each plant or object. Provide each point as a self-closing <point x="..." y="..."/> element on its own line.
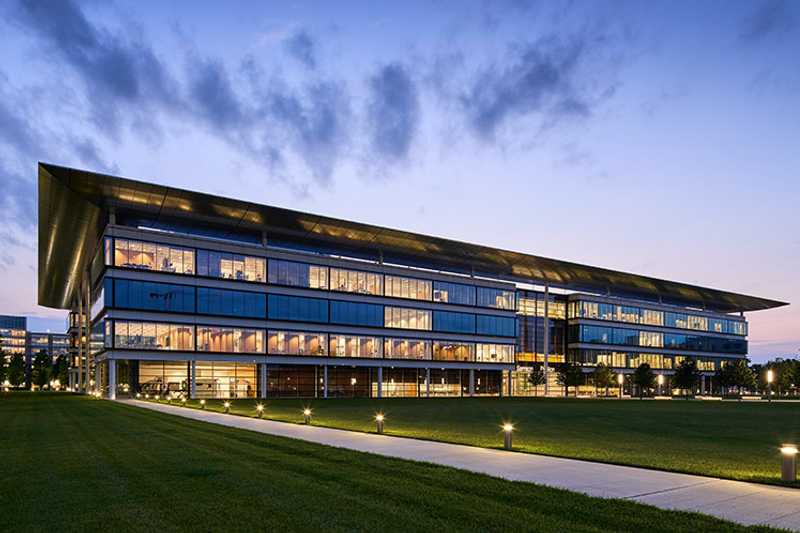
<point x="411" y="288"/>
<point x="153" y="336"/>
<point x="356" y="281"/>
<point x="496" y="298"/>
<point x="406" y="349"/>
<point x="296" y="274"/>
<point x="231" y="266"/>
<point x="297" y="343"/>
<point x="653" y="317"/>
<point x="151" y="296"/>
<point x="453" y="351"/>
<point x="356" y="314"/>
<point x="355" y="346"/>
<point x="405" y="318"/>
<point x="498" y="326"/>
<point x="454" y="293"/>
<point x="231" y="303"/>
<point x="297" y="308"/>
<point x="494" y="353"/>
<point x="453" y="322"/>
<point x="634" y="337"/>
<point x="150" y="256"/>
<point x="230" y="340"/>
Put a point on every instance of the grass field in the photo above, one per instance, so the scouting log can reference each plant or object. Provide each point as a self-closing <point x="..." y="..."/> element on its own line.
<point x="75" y="464"/>
<point x="736" y="440"/>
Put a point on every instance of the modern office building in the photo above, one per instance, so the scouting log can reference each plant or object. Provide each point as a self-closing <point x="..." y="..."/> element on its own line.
<point x="178" y="292"/>
<point x="16" y="339"/>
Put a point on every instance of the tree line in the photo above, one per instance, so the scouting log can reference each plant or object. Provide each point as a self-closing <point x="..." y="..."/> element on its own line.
<point x="43" y="370"/>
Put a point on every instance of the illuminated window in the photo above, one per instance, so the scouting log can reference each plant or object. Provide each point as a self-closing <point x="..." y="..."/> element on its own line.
<point x="415" y="289"/>
<point x="356" y="281"/>
<point x="297" y="343"/>
<point x="404" y="318"/>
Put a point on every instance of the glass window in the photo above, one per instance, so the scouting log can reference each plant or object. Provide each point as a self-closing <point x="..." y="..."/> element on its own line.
<point x="412" y="288"/>
<point x="356" y="314"/>
<point x="676" y="320"/>
<point x="494" y="353"/>
<point x="231" y="266"/>
<point x="231" y="303"/>
<point x="452" y="322"/>
<point x="355" y="346"/>
<point x="454" y="293"/>
<point x="297" y="308"/>
<point x="405" y="318"/>
<point x="151" y="256"/>
<point x="652" y="318"/>
<point x="626" y="313"/>
<point x="153" y="336"/>
<point x="453" y="351"/>
<point x="496" y="325"/>
<point x="297" y="274"/>
<point x="297" y="343"/>
<point x="407" y="348"/>
<point x="151" y="296"/>
<point x="356" y="281"/>
<point x="651" y="339"/>
<point x="229" y="340"/>
<point x="698" y="322"/>
<point x="497" y="298"/>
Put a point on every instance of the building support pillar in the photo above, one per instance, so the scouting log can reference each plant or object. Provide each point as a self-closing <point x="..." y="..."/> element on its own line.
<point x="472" y="382"/>
<point x="262" y="380"/>
<point x="325" y="381"/>
<point x="380" y="382"/>
<point x="427" y="382"/>
<point x="112" y="379"/>
<point x="510" y="384"/>
<point x="193" y="380"/>
<point x="546" y="336"/>
<point x="87" y="328"/>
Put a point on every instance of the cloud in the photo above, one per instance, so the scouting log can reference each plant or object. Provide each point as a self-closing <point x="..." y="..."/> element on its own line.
<point x="770" y="17"/>
<point x="301" y="46"/>
<point x="119" y="73"/>
<point x="540" y="79"/>
<point x="393" y="112"/>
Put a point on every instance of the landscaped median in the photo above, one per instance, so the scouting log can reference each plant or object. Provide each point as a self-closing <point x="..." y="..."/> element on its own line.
<point x="733" y="440"/>
<point x="73" y="463"/>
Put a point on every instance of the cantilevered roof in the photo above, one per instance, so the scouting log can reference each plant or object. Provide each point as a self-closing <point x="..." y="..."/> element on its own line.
<point x="74" y="206"/>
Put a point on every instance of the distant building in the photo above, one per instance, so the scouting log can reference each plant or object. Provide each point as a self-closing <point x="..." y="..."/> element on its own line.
<point x="16" y="339"/>
<point x="178" y="292"/>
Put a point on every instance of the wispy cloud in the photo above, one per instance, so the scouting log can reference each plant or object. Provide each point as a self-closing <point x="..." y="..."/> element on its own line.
<point x="302" y="47"/>
<point x="393" y="112"/>
<point x="769" y="17"/>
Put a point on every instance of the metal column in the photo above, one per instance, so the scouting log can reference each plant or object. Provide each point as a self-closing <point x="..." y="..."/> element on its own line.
<point x="325" y="381"/>
<point x="262" y="379"/>
<point x="427" y="382"/>
<point x="112" y="379"/>
<point x="193" y="380"/>
<point x="472" y="382"/>
<point x="380" y="382"/>
<point x="546" y="336"/>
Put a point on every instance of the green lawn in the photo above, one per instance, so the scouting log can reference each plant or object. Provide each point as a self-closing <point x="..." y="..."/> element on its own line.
<point x="72" y="463"/>
<point x="736" y="440"/>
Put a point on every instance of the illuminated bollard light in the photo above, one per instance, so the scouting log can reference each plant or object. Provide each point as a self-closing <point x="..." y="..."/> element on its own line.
<point x="202" y="404"/>
<point x="508" y="429"/>
<point x="379" y="420"/>
<point x="138" y="395"/>
<point x="146" y="396"/>
<point x="227" y="406"/>
<point x="183" y="401"/>
<point x="307" y="415"/>
<point x="789" y="463"/>
<point x="260" y="410"/>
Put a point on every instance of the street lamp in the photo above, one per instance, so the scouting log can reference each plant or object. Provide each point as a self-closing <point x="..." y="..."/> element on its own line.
<point x="770" y="378"/>
<point x="789" y="463"/>
<point x="620" y="380"/>
<point x="508" y="428"/>
<point x="379" y="418"/>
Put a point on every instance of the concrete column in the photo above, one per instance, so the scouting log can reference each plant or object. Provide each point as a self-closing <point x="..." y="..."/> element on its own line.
<point x="427" y="382"/>
<point x="82" y="380"/>
<point x="262" y="380"/>
<point x="325" y="381"/>
<point x="510" y="384"/>
<point x="193" y="380"/>
<point x="472" y="382"/>
<point x="380" y="382"/>
<point x="87" y="327"/>
<point x="112" y="379"/>
<point x="546" y="335"/>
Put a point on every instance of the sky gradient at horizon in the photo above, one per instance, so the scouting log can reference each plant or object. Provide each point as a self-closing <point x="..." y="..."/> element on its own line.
<point x="657" y="138"/>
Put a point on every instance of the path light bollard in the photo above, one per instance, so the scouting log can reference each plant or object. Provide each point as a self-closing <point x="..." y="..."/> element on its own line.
<point x="789" y="463"/>
<point x="307" y="415"/>
<point x="183" y="401"/>
<point x="138" y="395"/>
<point x="621" y="381"/>
<point x="379" y="419"/>
<point x="507" y="430"/>
<point x="661" y="384"/>
<point x="146" y="396"/>
<point x="227" y="406"/>
<point x="260" y="410"/>
<point x="770" y="379"/>
<point x="202" y="404"/>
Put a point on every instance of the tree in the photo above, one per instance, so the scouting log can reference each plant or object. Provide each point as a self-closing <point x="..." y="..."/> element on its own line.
<point x="569" y="375"/>
<point x="40" y="370"/>
<point x="16" y="370"/>
<point x="603" y="377"/>
<point x="537" y="376"/>
<point x="644" y="378"/>
<point x="686" y="375"/>
<point x="3" y="369"/>
<point x="743" y="375"/>
<point x="726" y="376"/>
<point x="61" y="369"/>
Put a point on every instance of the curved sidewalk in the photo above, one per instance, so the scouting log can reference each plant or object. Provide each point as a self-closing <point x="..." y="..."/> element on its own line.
<point x="746" y="503"/>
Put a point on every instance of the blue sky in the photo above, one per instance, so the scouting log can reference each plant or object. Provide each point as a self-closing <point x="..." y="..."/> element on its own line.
<point x="661" y="138"/>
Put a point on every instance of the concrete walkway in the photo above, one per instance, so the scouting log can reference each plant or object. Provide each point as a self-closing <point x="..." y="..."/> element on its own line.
<point x="746" y="503"/>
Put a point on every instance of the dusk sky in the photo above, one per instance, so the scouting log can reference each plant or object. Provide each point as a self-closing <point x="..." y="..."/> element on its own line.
<point x="661" y="138"/>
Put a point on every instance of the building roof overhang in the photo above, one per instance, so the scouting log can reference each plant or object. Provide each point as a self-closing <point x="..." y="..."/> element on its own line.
<point x="74" y="206"/>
